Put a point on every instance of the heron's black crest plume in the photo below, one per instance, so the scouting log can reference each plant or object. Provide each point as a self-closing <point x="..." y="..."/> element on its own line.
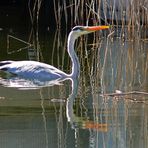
<point x="78" y="28"/>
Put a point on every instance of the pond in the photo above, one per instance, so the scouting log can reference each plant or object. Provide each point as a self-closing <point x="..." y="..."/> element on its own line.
<point x="107" y="107"/>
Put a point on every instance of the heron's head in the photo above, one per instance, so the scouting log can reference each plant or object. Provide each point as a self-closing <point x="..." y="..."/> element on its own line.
<point x="80" y="30"/>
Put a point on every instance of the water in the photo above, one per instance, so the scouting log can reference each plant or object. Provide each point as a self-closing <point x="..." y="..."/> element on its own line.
<point x="76" y="113"/>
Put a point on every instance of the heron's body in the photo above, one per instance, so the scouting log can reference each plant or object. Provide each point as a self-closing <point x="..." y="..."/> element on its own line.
<point x="33" y="70"/>
<point x="45" y="72"/>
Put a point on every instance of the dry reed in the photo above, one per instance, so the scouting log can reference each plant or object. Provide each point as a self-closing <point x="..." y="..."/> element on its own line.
<point x="127" y="17"/>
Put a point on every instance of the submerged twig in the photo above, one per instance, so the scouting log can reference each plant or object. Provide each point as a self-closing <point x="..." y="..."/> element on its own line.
<point x="124" y="93"/>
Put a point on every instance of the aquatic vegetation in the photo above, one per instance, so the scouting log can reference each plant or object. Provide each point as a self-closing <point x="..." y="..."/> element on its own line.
<point x="127" y="18"/>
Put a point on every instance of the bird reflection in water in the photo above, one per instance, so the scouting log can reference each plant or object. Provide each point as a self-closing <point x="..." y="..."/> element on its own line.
<point x="21" y="83"/>
<point x="80" y="122"/>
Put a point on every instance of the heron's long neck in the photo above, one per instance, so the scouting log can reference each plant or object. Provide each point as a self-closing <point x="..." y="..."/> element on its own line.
<point x="75" y="62"/>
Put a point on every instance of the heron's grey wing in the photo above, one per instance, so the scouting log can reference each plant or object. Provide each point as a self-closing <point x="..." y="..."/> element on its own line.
<point x="33" y="70"/>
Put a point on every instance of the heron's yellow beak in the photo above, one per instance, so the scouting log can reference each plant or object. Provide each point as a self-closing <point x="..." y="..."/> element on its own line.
<point x="96" y="28"/>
